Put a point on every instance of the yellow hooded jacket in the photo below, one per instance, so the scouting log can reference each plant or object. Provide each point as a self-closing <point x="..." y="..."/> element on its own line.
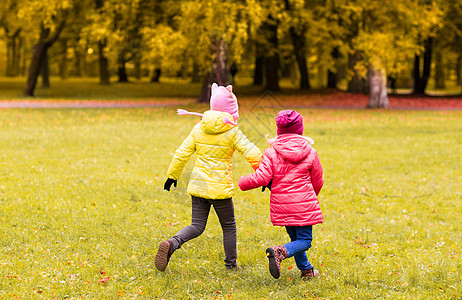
<point x="215" y="142"/>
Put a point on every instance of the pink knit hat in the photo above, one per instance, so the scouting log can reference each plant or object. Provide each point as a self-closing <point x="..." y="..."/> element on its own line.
<point x="289" y="121"/>
<point x="221" y="99"/>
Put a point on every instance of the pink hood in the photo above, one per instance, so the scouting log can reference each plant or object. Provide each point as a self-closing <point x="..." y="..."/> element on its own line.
<point x="292" y="147"/>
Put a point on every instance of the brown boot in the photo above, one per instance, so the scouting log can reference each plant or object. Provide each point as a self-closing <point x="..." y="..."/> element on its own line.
<point x="276" y="254"/>
<point x="163" y="255"/>
<point x="308" y="274"/>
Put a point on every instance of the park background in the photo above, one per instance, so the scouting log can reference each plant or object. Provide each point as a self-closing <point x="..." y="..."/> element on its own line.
<point x="356" y="46"/>
<point x="88" y="95"/>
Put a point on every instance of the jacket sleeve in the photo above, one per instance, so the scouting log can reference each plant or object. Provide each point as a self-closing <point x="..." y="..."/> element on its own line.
<point x="181" y="157"/>
<point x="261" y="177"/>
<point x="247" y="149"/>
<point x="316" y="174"/>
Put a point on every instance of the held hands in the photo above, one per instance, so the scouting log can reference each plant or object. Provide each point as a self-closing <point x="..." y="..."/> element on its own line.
<point x="169" y="183"/>
<point x="267" y="186"/>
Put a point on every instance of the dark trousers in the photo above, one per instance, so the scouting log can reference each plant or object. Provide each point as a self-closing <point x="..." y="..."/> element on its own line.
<point x="200" y="213"/>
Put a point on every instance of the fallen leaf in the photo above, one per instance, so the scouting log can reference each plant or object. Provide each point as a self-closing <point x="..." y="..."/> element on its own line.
<point x="104" y="280"/>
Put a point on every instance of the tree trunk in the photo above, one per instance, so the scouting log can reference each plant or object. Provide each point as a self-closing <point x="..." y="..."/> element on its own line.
<point x="416" y="74"/>
<point x="138" y="67"/>
<point x="259" y="68"/>
<point x="78" y="64"/>
<point x="9" y="57"/>
<point x="206" y="88"/>
<point x="219" y="73"/>
<point x="300" y="54"/>
<point x="233" y="71"/>
<point x="459" y="70"/>
<point x="79" y="59"/>
<point x="427" y="62"/>
<point x="103" y="64"/>
<point x="196" y="77"/>
<point x="378" y="96"/>
<point x="17" y="57"/>
<point x="63" y="66"/>
<point x="156" y="75"/>
<point x="331" y="79"/>
<point x="272" y="58"/>
<point x="45" y="71"/>
<point x="420" y="82"/>
<point x="272" y="76"/>
<point x="122" y="72"/>
<point x="440" y="77"/>
<point x="13" y="51"/>
<point x="40" y="52"/>
<point x="392" y="80"/>
<point x="299" y="44"/>
<point x="34" y="67"/>
<point x="355" y="85"/>
<point x="331" y="75"/>
<point x="104" y="76"/>
<point x="222" y="66"/>
<point x="22" y="63"/>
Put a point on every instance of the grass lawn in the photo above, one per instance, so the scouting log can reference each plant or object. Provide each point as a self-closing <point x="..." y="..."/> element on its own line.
<point x="89" y="88"/>
<point x="82" y="208"/>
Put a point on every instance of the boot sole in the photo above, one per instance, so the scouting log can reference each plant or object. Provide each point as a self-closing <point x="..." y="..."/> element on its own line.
<point x="161" y="260"/>
<point x="273" y="267"/>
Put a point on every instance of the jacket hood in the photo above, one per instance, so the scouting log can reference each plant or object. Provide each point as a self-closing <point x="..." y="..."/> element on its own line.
<point x="292" y="147"/>
<point x="214" y="122"/>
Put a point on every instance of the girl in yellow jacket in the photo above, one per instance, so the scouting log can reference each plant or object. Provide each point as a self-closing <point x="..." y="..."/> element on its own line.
<point x="214" y="139"/>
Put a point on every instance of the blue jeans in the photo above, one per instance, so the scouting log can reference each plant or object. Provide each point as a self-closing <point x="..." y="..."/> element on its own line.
<point x="301" y="237"/>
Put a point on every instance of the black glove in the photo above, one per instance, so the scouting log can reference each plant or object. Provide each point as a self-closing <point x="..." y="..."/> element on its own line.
<point x="169" y="183"/>
<point x="268" y="186"/>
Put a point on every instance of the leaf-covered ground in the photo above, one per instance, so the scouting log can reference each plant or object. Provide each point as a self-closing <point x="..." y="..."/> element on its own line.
<point x="86" y="92"/>
<point x="322" y="100"/>
<point x="82" y="208"/>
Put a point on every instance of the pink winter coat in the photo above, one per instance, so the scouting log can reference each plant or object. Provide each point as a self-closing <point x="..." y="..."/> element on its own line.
<point x="296" y="171"/>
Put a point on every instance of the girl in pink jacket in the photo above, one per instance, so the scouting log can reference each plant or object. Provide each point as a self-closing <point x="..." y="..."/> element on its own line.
<point x="292" y="171"/>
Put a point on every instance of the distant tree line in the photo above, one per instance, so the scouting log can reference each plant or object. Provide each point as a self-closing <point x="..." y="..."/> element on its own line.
<point x="369" y="44"/>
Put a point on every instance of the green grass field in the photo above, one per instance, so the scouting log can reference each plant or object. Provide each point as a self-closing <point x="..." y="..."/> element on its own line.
<point x="89" y="88"/>
<point x="81" y="200"/>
